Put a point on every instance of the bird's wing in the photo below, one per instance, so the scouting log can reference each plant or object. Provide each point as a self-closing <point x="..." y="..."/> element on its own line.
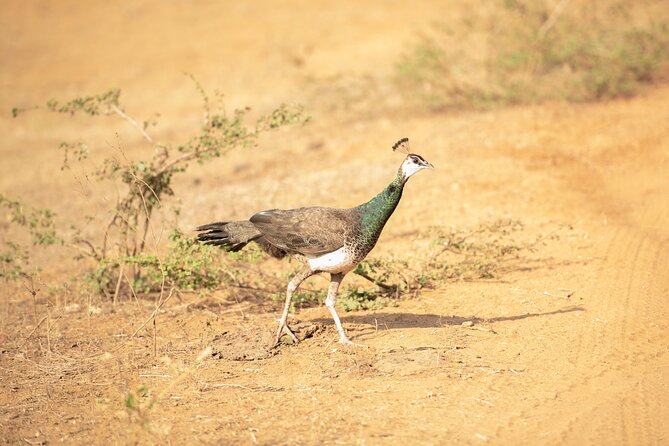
<point x="309" y="231"/>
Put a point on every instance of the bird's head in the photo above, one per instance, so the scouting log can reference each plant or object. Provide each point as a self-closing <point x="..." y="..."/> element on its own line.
<point x="413" y="162"/>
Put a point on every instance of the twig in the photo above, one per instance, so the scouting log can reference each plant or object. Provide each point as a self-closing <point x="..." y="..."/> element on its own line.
<point x="48" y="331"/>
<point x="548" y="293"/>
<point x="132" y="289"/>
<point x="112" y="222"/>
<point x="147" y="215"/>
<point x="447" y="248"/>
<point x="186" y="157"/>
<point x="155" y="241"/>
<point x="33" y="331"/>
<point x="33" y="292"/>
<point x="251" y="389"/>
<point x="476" y="327"/>
<point x="118" y="283"/>
<point x="544" y="237"/>
<point x="376" y="282"/>
<point x="205" y="98"/>
<point x="416" y="349"/>
<point x="155" y="342"/>
<point x="158" y="307"/>
<point x="93" y="252"/>
<point x="141" y="180"/>
<point x="132" y="121"/>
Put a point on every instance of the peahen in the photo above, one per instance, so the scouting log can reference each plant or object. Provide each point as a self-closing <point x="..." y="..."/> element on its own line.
<point x="326" y="240"/>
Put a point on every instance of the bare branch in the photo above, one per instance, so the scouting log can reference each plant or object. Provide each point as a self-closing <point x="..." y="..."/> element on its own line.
<point x="81" y="241"/>
<point x="118" y="284"/>
<point x="132" y="121"/>
<point x="158" y="307"/>
<point x="183" y="158"/>
<point x="376" y="282"/>
<point x="32" y="332"/>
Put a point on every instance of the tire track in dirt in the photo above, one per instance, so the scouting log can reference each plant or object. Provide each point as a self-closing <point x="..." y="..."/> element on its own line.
<point x="585" y="344"/>
<point x="617" y="362"/>
<point x="643" y="339"/>
<point x="629" y="419"/>
<point x="614" y="390"/>
<point x="637" y="340"/>
<point x="594" y="354"/>
<point x="616" y="386"/>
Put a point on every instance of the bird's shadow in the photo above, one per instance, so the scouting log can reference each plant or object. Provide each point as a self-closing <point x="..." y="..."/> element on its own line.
<point x="410" y="320"/>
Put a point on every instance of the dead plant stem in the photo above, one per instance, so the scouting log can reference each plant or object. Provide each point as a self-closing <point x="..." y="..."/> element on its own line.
<point x="134" y="123"/>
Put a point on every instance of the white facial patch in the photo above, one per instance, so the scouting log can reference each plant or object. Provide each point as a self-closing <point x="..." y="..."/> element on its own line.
<point x="409" y="167"/>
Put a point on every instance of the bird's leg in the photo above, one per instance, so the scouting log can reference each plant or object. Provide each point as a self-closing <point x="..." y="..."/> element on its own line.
<point x="335" y="280"/>
<point x="292" y="287"/>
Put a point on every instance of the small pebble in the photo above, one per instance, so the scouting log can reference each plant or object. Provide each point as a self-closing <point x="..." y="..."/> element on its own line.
<point x="468" y="324"/>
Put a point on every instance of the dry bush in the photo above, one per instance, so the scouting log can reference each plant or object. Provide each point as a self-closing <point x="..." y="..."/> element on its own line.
<point x="484" y="252"/>
<point x="124" y="261"/>
<point x="520" y="51"/>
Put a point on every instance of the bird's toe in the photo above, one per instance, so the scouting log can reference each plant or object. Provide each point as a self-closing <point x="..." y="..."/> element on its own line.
<point x="285" y="330"/>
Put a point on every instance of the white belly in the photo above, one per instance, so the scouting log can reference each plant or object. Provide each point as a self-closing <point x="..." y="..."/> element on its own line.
<point x="338" y="261"/>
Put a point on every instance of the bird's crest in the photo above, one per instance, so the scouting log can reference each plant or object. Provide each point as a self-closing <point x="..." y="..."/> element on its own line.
<point x="402" y="146"/>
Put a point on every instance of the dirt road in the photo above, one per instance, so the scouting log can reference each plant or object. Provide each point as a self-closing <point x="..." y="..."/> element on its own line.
<point x="570" y="346"/>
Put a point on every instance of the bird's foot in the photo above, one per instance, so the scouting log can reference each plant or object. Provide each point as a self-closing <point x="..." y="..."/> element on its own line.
<point x="283" y="329"/>
<point x="347" y="341"/>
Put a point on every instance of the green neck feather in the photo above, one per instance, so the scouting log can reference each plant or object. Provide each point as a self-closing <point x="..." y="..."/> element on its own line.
<point x="376" y="212"/>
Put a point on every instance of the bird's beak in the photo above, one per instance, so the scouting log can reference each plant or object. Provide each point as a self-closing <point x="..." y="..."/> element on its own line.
<point x="429" y="165"/>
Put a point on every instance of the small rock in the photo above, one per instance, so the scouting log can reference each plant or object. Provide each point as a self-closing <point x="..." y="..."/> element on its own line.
<point x="468" y="324"/>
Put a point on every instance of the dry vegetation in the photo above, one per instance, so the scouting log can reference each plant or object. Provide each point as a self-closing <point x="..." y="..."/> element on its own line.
<point x="518" y="51"/>
<point x="516" y="297"/>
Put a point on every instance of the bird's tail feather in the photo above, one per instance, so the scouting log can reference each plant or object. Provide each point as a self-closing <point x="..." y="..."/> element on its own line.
<point x="231" y="235"/>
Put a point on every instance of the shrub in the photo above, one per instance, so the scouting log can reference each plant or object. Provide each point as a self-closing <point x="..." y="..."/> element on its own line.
<point x="40" y="225"/>
<point x="482" y="253"/>
<point x="124" y="262"/>
<point x="520" y="51"/>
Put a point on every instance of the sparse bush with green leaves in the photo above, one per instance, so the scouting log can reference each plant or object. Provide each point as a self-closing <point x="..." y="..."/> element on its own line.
<point x="360" y="298"/>
<point x="481" y="253"/>
<point x="478" y="254"/>
<point x="40" y="225"/>
<point x="519" y="51"/>
<point x="124" y="262"/>
<point x="186" y="265"/>
<point x="14" y="260"/>
<point x="484" y="252"/>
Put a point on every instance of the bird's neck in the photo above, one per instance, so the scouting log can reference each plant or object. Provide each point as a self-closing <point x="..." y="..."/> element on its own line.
<point x="376" y="212"/>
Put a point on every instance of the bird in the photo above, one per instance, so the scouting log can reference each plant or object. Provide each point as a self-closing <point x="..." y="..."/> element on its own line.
<point x="324" y="240"/>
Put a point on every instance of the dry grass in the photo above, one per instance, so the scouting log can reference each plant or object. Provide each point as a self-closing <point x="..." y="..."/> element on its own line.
<point x="518" y="51"/>
<point x="539" y="355"/>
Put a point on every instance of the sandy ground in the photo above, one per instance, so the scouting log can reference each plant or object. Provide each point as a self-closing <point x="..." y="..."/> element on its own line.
<point x="570" y="346"/>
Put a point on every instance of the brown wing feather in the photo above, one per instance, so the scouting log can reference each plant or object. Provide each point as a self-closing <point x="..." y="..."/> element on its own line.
<point x="309" y="231"/>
